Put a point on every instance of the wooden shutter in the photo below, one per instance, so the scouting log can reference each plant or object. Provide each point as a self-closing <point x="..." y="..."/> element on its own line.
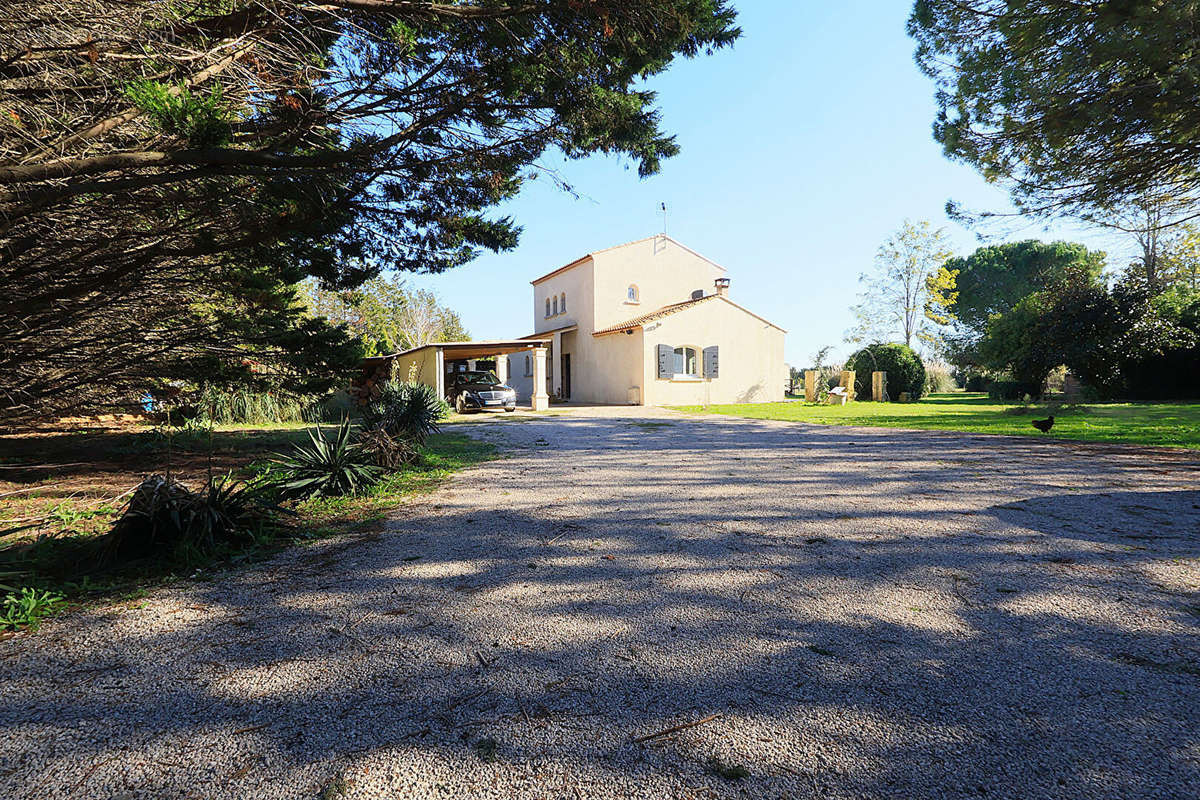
<point x="666" y="362"/>
<point x="711" y="361"/>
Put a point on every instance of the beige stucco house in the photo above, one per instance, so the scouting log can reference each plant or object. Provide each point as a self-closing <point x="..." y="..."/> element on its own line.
<point x="649" y="323"/>
<point x="645" y="323"/>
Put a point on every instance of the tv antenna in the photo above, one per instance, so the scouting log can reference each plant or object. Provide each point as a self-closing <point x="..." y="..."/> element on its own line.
<point x="664" y="213"/>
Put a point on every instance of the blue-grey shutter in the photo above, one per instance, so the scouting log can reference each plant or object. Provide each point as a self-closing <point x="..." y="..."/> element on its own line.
<point x="710" y="361"/>
<point x="666" y="362"/>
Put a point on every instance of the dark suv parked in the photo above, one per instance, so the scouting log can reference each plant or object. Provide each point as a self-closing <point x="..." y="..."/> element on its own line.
<point x="478" y="390"/>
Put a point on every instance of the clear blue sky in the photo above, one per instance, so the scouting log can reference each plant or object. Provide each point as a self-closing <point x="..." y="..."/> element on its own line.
<point x="803" y="148"/>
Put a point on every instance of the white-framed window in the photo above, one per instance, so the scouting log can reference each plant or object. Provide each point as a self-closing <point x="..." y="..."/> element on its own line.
<point x="632" y="295"/>
<point x="687" y="362"/>
<point x="556" y="305"/>
<point x="562" y="306"/>
<point x="547" y="306"/>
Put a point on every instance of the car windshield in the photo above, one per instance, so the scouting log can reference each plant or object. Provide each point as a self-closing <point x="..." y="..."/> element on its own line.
<point x="477" y="376"/>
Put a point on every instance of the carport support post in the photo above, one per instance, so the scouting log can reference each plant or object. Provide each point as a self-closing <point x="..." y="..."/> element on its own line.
<point x="439" y="381"/>
<point x="541" y="400"/>
<point x="502" y="367"/>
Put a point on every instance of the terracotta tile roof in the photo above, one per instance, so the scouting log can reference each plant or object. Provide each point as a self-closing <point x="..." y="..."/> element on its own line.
<point x="665" y="311"/>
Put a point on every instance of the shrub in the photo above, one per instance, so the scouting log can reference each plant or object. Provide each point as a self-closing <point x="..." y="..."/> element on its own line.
<point x="326" y="467"/>
<point x="1011" y="390"/>
<point x="409" y="411"/>
<point x="976" y="383"/>
<point x="905" y="372"/>
<point x="385" y="450"/>
<point x="164" y="517"/>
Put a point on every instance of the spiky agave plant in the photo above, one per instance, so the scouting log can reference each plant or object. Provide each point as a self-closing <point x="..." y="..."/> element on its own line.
<point x="326" y="467"/>
<point x="406" y="410"/>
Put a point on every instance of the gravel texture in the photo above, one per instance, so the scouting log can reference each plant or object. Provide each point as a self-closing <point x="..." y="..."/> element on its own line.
<point x="870" y="613"/>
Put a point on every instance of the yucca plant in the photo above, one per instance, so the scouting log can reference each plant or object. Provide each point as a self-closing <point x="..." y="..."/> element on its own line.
<point x="406" y="410"/>
<point x="221" y="512"/>
<point x="165" y="517"/>
<point x="326" y="467"/>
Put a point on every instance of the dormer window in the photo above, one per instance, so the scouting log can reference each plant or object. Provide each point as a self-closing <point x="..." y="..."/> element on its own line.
<point x="632" y="295"/>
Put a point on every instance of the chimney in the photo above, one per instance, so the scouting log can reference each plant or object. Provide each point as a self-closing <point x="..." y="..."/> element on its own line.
<point x="722" y="285"/>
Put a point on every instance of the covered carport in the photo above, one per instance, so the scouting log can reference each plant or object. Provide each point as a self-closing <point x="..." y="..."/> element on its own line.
<point x="427" y="365"/>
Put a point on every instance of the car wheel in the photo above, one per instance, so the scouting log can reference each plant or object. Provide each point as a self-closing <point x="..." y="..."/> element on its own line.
<point x="459" y="405"/>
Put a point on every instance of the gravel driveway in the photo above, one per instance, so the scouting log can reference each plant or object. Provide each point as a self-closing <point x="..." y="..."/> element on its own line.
<point x="867" y="613"/>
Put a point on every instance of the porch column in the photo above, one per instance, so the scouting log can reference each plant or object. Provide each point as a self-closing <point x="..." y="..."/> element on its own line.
<point x="502" y="367"/>
<point x="541" y="400"/>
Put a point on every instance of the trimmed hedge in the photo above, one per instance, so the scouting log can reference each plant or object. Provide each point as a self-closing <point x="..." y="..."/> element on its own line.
<point x="905" y="371"/>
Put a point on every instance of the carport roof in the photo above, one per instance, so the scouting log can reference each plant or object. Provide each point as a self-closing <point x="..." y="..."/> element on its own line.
<point x="460" y="350"/>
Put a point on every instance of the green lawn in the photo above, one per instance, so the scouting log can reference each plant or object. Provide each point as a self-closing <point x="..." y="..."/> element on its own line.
<point x="1169" y="424"/>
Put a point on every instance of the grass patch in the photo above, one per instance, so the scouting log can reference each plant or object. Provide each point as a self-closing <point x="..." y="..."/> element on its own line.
<point x="28" y="607"/>
<point x="1160" y="424"/>
<point x="63" y="492"/>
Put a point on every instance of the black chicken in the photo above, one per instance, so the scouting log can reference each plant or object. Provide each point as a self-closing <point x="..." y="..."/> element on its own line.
<point x="1044" y="425"/>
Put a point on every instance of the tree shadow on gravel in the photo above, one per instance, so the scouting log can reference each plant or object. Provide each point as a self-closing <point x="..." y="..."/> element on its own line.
<point x="916" y="622"/>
